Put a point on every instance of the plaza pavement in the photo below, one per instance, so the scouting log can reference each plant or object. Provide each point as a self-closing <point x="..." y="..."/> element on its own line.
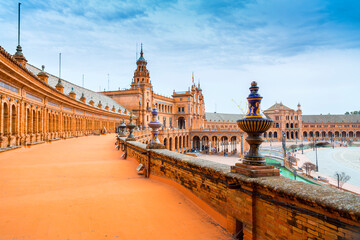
<point x="80" y="189"/>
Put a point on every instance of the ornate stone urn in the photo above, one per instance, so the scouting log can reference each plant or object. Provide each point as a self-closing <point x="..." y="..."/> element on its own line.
<point x="254" y="124"/>
<point x="154" y="124"/>
<point x="122" y="129"/>
<point x="131" y="127"/>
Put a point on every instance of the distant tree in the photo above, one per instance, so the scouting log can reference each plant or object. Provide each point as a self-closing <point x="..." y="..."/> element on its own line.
<point x="309" y="167"/>
<point x="347" y="113"/>
<point x="341" y="178"/>
<point x="356" y="112"/>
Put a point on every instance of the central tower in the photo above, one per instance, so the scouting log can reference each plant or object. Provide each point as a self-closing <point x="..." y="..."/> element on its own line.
<point x="141" y="75"/>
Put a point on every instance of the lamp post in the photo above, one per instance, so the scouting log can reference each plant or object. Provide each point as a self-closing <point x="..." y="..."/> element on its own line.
<point x="317" y="164"/>
<point x="302" y="147"/>
<point x="332" y="139"/>
<point x="313" y="143"/>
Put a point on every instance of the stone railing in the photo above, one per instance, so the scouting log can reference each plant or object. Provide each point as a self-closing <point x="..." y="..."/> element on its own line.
<point x="258" y="208"/>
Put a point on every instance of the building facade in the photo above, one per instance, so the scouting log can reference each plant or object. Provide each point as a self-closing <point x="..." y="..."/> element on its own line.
<point x="37" y="106"/>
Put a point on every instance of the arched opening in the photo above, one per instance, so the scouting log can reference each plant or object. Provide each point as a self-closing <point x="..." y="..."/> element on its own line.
<point x="337" y="134"/>
<point x="204" y="143"/>
<point x="233" y="145"/>
<point x="292" y="135"/>
<point x="176" y="143"/>
<point x="305" y="134"/>
<point x="6" y="118"/>
<point x="196" y="143"/>
<point x="270" y="134"/>
<point x="351" y="134"/>
<point x="287" y="135"/>
<point x="296" y="135"/>
<point x="287" y="125"/>
<point x="165" y="143"/>
<point x="170" y="144"/>
<point x="13" y="120"/>
<point x="181" y="123"/>
<point x="343" y="134"/>
<point x="291" y="125"/>
<point x="358" y="134"/>
<point x="224" y="144"/>
<point x="184" y="143"/>
<point x="265" y="134"/>
<point x="275" y="135"/>
<point x="180" y="142"/>
<point x="39" y="120"/>
<point x="28" y="121"/>
<point x="34" y="121"/>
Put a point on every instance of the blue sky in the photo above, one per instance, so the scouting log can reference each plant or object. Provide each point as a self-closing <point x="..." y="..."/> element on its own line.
<point x="304" y="51"/>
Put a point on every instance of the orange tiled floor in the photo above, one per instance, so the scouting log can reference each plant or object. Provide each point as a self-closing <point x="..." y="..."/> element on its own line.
<point x="81" y="189"/>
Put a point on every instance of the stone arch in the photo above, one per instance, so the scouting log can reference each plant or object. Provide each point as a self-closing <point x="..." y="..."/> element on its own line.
<point x="6" y="119"/>
<point x="28" y="121"/>
<point x="166" y="143"/>
<point x="13" y="119"/>
<point x="196" y="142"/>
<point x="275" y="135"/>
<point x="181" y="123"/>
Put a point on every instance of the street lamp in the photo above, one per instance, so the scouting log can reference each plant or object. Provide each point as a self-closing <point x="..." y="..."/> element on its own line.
<point x="302" y="147"/>
<point x="317" y="164"/>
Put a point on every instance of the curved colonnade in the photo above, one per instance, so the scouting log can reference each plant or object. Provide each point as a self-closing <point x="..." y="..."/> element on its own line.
<point x="33" y="111"/>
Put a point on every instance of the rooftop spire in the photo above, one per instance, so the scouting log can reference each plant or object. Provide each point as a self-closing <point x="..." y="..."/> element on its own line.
<point x="141" y="51"/>
<point x="19" y="55"/>
<point x="18" y="48"/>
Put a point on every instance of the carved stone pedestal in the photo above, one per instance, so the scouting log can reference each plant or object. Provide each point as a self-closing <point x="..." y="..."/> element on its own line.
<point x="255" y="171"/>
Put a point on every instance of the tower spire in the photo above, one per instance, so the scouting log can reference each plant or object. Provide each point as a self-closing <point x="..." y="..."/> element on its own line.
<point x="141" y="51"/>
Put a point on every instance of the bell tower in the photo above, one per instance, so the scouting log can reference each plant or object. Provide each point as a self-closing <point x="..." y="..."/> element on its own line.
<point x="141" y="74"/>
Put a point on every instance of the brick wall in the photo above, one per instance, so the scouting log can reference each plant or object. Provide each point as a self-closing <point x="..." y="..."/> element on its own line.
<point x="265" y="208"/>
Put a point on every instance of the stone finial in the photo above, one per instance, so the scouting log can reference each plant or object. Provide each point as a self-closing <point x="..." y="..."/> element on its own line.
<point x="253" y="164"/>
<point x="92" y="103"/>
<point x="154" y="124"/>
<point x="83" y="99"/>
<point x="59" y="86"/>
<point x="72" y="94"/>
<point x="122" y="127"/>
<point x="254" y="100"/>
<point x="42" y="75"/>
<point x="99" y="104"/>
<point x="107" y="107"/>
<point x="113" y="108"/>
<point x="131" y="127"/>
